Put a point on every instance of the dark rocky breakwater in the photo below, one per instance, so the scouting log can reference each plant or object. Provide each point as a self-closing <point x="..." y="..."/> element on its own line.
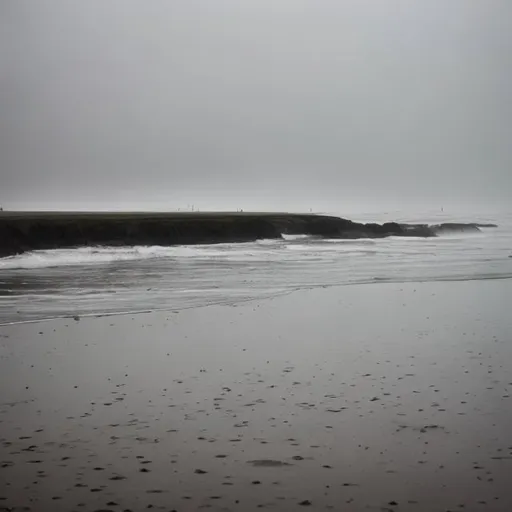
<point x="27" y="231"/>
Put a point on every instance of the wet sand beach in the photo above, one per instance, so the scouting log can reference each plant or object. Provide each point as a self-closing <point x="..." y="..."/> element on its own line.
<point x="381" y="397"/>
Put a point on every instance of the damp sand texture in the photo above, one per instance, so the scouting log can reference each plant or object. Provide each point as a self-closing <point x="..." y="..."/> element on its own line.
<point x="370" y="397"/>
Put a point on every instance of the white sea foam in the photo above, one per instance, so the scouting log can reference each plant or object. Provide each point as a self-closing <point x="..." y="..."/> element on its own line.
<point x="81" y="256"/>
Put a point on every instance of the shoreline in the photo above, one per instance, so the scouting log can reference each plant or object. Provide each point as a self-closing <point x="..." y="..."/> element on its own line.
<point x="235" y="303"/>
<point x="282" y="403"/>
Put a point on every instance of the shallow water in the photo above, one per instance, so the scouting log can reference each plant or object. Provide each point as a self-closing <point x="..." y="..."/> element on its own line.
<point x="92" y="280"/>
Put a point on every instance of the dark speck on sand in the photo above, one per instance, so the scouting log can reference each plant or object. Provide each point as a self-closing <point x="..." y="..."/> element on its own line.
<point x="268" y="463"/>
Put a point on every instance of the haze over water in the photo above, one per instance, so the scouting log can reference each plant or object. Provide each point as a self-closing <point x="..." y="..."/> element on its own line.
<point x="290" y="105"/>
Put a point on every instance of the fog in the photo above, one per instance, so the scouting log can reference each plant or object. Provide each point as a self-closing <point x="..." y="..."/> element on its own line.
<point x="285" y="105"/>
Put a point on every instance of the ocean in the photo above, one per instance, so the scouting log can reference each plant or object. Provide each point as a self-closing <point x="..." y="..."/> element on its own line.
<point x="115" y="280"/>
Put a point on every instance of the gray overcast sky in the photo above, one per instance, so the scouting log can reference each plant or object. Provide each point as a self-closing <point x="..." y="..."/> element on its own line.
<point x="279" y="104"/>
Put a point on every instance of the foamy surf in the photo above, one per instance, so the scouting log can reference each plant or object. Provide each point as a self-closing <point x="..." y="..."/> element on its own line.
<point x="80" y="256"/>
